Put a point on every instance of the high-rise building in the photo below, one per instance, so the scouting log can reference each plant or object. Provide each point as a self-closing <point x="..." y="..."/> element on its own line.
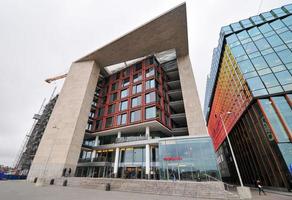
<point x="249" y="92"/>
<point x="130" y="110"/>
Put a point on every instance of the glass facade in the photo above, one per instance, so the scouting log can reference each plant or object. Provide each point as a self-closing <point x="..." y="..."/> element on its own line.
<point x="187" y="159"/>
<point x="249" y="91"/>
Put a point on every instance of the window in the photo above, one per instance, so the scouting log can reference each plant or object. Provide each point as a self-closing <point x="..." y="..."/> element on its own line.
<point x="274" y="40"/>
<point x="286" y="36"/>
<point x="137" y="77"/>
<point x="284" y="77"/>
<point x="259" y="63"/>
<point x="122" y="119"/>
<point x="255" y="83"/>
<point x="113" y="97"/>
<point x="137" y="88"/>
<point x="150" y="84"/>
<point x="250" y="48"/>
<point x="99" y="112"/>
<point x="98" y="124"/>
<point x="150" y="72"/>
<point x="237" y="51"/>
<point x="277" y="24"/>
<point x="123" y="105"/>
<point x="114" y="86"/>
<point x="111" y="109"/>
<point x="262" y="44"/>
<point x="288" y="20"/>
<point x="150" y="97"/>
<point x="150" y="112"/>
<point x="125" y="82"/>
<point x="136" y="116"/>
<point x="285" y="110"/>
<point x="136" y="101"/>
<point x="253" y="31"/>
<point x="138" y="66"/>
<point x="273" y="59"/>
<point x="89" y="126"/>
<point x="286" y="56"/>
<point x="109" y="122"/>
<point x="270" y="80"/>
<point x="126" y="72"/>
<point x="246" y="66"/>
<point x="242" y="35"/>
<point x="124" y="93"/>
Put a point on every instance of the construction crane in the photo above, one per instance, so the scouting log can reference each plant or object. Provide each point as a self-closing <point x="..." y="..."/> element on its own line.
<point x="49" y="80"/>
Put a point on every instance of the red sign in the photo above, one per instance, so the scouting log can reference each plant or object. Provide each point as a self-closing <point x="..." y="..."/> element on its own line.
<point x="172" y="158"/>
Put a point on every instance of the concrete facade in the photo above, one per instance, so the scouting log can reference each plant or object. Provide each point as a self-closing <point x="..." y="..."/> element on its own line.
<point x="60" y="145"/>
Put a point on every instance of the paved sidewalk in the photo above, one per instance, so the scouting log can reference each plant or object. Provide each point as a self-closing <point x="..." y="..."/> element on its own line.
<point x="21" y="190"/>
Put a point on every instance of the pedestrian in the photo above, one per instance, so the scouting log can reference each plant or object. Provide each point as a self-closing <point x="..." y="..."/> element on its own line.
<point x="69" y="172"/>
<point x="260" y="187"/>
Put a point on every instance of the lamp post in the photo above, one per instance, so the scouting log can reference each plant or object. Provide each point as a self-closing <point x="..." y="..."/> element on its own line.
<point x="231" y="149"/>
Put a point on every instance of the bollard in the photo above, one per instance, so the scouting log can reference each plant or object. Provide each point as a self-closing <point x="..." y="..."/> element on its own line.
<point x="107" y="187"/>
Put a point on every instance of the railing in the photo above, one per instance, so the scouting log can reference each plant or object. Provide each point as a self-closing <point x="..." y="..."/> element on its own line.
<point x="130" y="139"/>
<point x="227" y="187"/>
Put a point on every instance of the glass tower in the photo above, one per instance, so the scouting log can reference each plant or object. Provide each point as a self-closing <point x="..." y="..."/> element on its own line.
<point x="250" y="88"/>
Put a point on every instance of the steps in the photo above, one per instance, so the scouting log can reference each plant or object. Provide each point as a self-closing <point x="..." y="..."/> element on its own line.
<point x="211" y="190"/>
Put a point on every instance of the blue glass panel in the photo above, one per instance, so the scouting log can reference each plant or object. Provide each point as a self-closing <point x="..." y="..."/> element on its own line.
<point x="285" y="110"/>
<point x="278" y="68"/>
<point x="273" y="59"/>
<point x="274" y="90"/>
<point x="287" y="20"/>
<point x="255" y="83"/>
<point x="286" y="56"/>
<point x="236" y="26"/>
<point x="231" y="39"/>
<point x="268" y="16"/>
<point x="284" y="77"/>
<point x="270" y="80"/>
<point x="259" y="92"/>
<point x="246" y="23"/>
<point x="237" y="51"/>
<point x="262" y="44"/>
<point x="286" y="36"/>
<point x="264" y="71"/>
<point x="259" y="63"/>
<point x="265" y="28"/>
<point x="274" y="120"/>
<point x="226" y="29"/>
<point x="274" y="40"/>
<point x="257" y="19"/>
<point x="289" y="7"/>
<point x="246" y="66"/>
<point x="254" y="31"/>
<point x="279" y="12"/>
<point x="250" y="47"/>
<point x="286" y="150"/>
<point x="242" y="35"/>
<point x="277" y="24"/>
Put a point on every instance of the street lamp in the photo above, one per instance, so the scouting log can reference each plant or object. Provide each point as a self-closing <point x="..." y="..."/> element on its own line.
<point x="231" y="149"/>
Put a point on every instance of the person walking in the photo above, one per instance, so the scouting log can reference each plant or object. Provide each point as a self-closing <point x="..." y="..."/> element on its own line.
<point x="260" y="187"/>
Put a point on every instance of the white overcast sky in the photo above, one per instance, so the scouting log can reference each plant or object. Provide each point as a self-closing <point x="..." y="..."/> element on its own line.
<point x="40" y="39"/>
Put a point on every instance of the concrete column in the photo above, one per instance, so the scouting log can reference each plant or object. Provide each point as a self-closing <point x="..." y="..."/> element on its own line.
<point x="116" y="165"/>
<point x="117" y="157"/>
<point x="61" y="143"/>
<point x="147" y="161"/>
<point x="147" y="132"/>
<point x="96" y="143"/>
<point x="193" y="110"/>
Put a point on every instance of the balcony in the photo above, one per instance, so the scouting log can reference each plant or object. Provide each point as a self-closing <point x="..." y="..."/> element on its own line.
<point x="130" y="139"/>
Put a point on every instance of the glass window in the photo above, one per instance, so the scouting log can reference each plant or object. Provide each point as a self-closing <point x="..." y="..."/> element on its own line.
<point x="136" y="101"/>
<point x="262" y="44"/>
<point x="150" y="72"/>
<point x="137" y="77"/>
<point x="259" y="63"/>
<point x="138" y="66"/>
<point x="255" y="83"/>
<point x="126" y="72"/>
<point x="125" y="82"/>
<point x="231" y="39"/>
<point x="268" y="16"/>
<point x="270" y="80"/>
<point x="246" y="23"/>
<point x="250" y="47"/>
<point x="274" y="120"/>
<point x="253" y="31"/>
<point x="137" y="88"/>
<point x="273" y="59"/>
<point x="274" y="40"/>
<point x="99" y="112"/>
<point x="109" y="122"/>
<point x="277" y="24"/>
<point x="150" y="84"/>
<point x="242" y="35"/>
<point x="286" y="36"/>
<point x="122" y="119"/>
<point x="111" y="109"/>
<point x="236" y="26"/>
<point x="286" y="56"/>
<point x="284" y="77"/>
<point x="124" y="93"/>
<point x="150" y="97"/>
<point x="285" y="110"/>
<point x="150" y="112"/>
<point x="257" y="19"/>
<point x="114" y="96"/>
<point x="98" y="124"/>
<point x="288" y="20"/>
<point x="237" y="51"/>
<point x="114" y="86"/>
<point x="246" y="66"/>
<point x="136" y="116"/>
<point x="123" y="105"/>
